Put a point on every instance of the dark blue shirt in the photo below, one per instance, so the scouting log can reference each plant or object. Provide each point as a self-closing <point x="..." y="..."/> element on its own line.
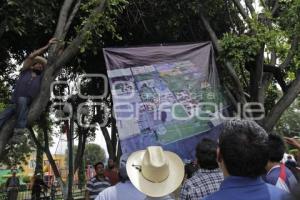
<point x="244" y="188"/>
<point x="27" y="86"/>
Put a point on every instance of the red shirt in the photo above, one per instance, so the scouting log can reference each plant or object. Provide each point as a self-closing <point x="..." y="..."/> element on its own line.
<point x="112" y="175"/>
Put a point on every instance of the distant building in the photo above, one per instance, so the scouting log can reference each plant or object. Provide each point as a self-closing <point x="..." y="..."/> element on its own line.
<point x="60" y="160"/>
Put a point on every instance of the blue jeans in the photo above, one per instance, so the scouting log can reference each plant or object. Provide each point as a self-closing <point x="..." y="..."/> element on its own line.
<point x="20" y="109"/>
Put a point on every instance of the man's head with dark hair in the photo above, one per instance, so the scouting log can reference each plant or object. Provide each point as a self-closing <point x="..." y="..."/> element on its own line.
<point x="243" y="148"/>
<point x="99" y="169"/>
<point x="98" y="163"/>
<point x="206" y="154"/>
<point x="276" y="147"/>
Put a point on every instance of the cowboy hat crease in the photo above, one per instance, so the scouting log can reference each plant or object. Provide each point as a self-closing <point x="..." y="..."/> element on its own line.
<point x="39" y="59"/>
<point x="155" y="172"/>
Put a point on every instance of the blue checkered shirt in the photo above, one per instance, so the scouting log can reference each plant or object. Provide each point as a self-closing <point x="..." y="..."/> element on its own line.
<point x="201" y="184"/>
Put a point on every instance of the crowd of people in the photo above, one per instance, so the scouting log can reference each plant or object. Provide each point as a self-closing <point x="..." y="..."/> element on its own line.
<point x="245" y="163"/>
<point x="37" y="186"/>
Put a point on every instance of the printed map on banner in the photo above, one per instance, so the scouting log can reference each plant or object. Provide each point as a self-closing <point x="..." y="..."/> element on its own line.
<point x="164" y="103"/>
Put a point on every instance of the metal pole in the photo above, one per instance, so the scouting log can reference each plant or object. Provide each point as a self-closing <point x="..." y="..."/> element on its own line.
<point x="70" y="158"/>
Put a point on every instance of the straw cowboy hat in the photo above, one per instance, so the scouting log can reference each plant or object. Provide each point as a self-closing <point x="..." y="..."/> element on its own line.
<point x="39" y="59"/>
<point x="155" y="172"/>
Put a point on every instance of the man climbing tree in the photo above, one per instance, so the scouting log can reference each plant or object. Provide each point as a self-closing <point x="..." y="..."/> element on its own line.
<point x="26" y="88"/>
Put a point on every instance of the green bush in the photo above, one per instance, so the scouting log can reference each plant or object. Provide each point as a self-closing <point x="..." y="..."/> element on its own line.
<point x="26" y="179"/>
<point x="23" y="187"/>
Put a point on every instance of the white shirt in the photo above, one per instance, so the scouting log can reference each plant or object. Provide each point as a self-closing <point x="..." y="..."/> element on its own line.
<point x="121" y="191"/>
<point x="159" y="198"/>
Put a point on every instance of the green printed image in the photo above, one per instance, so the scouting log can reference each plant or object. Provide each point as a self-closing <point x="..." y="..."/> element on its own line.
<point x="143" y="77"/>
<point x="182" y="129"/>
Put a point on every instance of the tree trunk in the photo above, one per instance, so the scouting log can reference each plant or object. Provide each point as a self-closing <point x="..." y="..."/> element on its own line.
<point x="109" y="145"/>
<point x="256" y="75"/>
<point x="55" y="63"/>
<point x="114" y="137"/>
<point x="81" y="147"/>
<point x="39" y="155"/>
<point x="51" y="161"/>
<point x="81" y="174"/>
<point x="70" y="158"/>
<point x="274" y="115"/>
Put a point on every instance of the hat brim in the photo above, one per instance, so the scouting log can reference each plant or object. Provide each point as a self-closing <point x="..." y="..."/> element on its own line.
<point x="176" y="174"/>
<point x="39" y="59"/>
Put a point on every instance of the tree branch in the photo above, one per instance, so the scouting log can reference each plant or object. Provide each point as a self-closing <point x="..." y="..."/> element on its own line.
<point x="250" y="7"/>
<point x="231" y="97"/>
<point x="109" y="145"/>
<point x="285" y="101"/>
<point x="80" y="149"/>
<point x="242" y="11"/>
<point x="62" y="19"/>
<point x="70" y="19"/>
<point x="49" y="156"/>
<point x="278" y="75"/>
<point x="267" y="77"/>
<point x="211" y="33"/>
<point x="256" y="75"/>
<point x="2" y="27"/>
<point x="228" y="65"/>
<point x="73" y="48"/>
<point x="291" y="53"/>
<point x="40" y="102"/>
<point x="36" y="141"/>
<point x="275" y="8"/>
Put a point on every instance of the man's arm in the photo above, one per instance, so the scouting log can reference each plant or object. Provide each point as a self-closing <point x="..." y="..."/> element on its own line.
<point x="28" y="61"/>
<point x="293" y="141"/>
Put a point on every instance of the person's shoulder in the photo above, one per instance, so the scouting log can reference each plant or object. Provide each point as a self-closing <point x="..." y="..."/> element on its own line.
<point x="289" y="172"/>
<point x="272" y="176"/>
<point x="107" y="194"/>
<point x="108" y="190"/>
<point x="276" y="193"/>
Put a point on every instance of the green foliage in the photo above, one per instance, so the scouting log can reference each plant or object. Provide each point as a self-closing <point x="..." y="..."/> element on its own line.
<point x="289" y="123"/>
<point x="94" y="153"/>
<point x="242" y="48"/>
<point x="2" y="106"/>
<point x="239" y="48"/>
<point x="271" y="30"/>
<point x="81" y="175"/>
<point x="100" y="22"/>
<point x="26" y="179"/>
<point x="16" y="154"/>
<point x="271" y="97"/>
